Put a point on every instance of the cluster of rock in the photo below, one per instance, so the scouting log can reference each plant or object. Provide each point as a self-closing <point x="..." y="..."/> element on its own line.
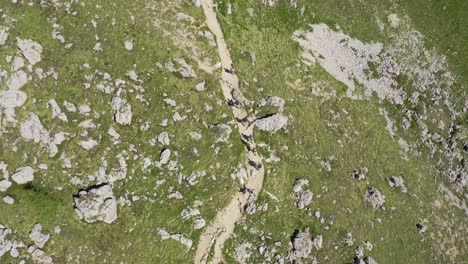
<point x="123" y="110"/>
<point x="303" y="246"/>
<point x="194" y="213"/>
<point x="185" y="69"/>
<point x="7" y="244"/>
<point x="302" y="197"/>
<point x="359" y="254"/>
<point x="360" y="174"/>
<point x="374" y="197"/>
<point x="187" y="242"/>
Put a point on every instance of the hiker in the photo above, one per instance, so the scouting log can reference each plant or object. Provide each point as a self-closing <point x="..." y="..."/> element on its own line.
<point x="232" y="103"/>
<point x="256" y="165"/>
<point x="230" y="70"/>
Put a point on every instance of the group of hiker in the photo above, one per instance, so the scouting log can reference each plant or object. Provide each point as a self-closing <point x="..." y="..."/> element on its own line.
<point x="248" y="139"/>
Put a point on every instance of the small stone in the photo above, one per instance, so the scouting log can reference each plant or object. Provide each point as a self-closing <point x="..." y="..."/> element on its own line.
<point x="128" y="45"/>
<point x="8" y="199"/>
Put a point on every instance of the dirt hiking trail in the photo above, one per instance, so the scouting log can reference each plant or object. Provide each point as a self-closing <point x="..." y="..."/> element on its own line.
<point x="218" y="231"/>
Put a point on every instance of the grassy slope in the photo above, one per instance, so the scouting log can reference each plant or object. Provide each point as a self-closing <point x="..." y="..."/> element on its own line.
<point x="366" y="142"/>
<point x="133" y="236"/>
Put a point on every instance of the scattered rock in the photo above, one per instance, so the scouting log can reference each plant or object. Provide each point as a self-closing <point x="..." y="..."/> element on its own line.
<point x="5" y="244"/>
<point x="369" y="260"/>
<point x="23" y="175"/>
<point x="272" y="123"/>
<point x="303" y="197"/>
<point x="348" y="239"/>
<point x="97" y="203"/>
<point x="221" y="132"/>
<point x="421" y="228"/>
<point x="8" y="199"/>
<point x="302" y="246"/>
<point x="3" y="36"/>
<point x="394" y="20"/>
<point x="374" y="197"/>
<point x="178" y="237"/>
<point x="243" y="253"/>
<point x="360" y="174"/>
<point x="200" y="87"/>
<point x="39" y="257"/>
<point x="398" y="183"/>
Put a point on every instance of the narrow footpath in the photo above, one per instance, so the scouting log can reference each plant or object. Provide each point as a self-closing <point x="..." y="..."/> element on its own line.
<point x="221" y="228"/>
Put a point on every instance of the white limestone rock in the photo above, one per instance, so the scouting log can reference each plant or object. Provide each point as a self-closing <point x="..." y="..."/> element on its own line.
<point x="272" y="123"/>
<point x="39" y="257"/>
<point x="30" y="50"/>
<point x="123" y="110"/>
<point x="374" y="197"/>
<point x="23" y="175"/>
<point x="163" y="138"/>
<point x="56" y="111"/>
<point x="32" y="129"/>
<point x="200" y="87"/>
<point x="17" y="80"/>
<point x="8" y="199"/>
<point x="88" y="144"/>
<point x="96" y="204"/>
<point x="4" y="185"/>
<point x="165" y="156"/>
<point x="3" y="36"/>
<point x="12" y="98"/>
<point x="5" y="243"/>
<point x="37" y="236"/>
<point x="199" y="223"/>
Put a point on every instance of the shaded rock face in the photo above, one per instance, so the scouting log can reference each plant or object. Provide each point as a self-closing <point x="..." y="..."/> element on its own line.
<point x="272" y="123"/>
<point x="96" y="204"/>
<point x="374" y="197"/>
<point x="23" y="175"/>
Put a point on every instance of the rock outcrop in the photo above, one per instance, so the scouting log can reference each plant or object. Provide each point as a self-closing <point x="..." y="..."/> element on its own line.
<point x="96" y="204"/>
<point x="272" y="123"/>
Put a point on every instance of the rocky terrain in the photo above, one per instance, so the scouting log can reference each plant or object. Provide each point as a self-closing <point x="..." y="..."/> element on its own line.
<point x="257" y="131"/>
